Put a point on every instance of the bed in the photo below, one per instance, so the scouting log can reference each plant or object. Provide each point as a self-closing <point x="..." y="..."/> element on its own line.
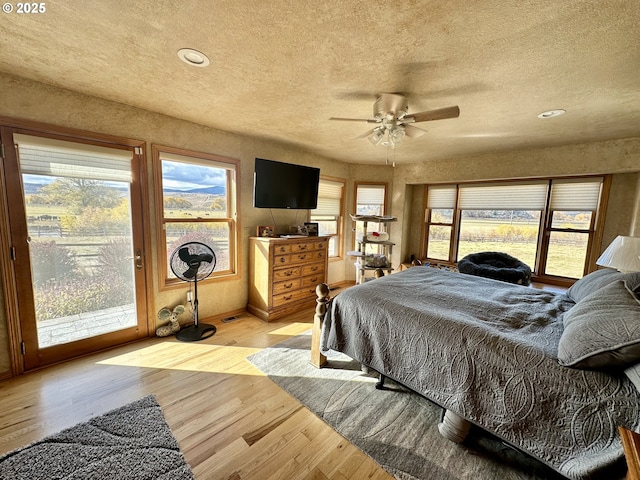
<point x="550" y="373"/>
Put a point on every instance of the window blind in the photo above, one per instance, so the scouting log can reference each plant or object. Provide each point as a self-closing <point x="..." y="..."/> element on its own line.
<point x="441" y="196"/>
<point x="59" y="158"/>
<point x="513" y="196"/>
<point x="575" y="195"/>
<point x="329" y="198"/>
<point x="370" y="195"/>
<point x="205" y="162"/>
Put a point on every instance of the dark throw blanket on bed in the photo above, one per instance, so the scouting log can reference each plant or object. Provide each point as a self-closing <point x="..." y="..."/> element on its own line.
<point x="487" y="350"/>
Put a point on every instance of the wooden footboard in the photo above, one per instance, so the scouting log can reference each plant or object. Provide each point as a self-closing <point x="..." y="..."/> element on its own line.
<point x="322" y="304"/>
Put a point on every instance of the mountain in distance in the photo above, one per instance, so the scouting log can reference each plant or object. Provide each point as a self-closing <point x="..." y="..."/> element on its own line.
<point x="213" y="190"/>
<point x="31" y="188"/>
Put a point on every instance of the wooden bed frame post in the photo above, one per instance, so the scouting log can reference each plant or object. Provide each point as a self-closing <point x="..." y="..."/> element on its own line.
<point x="317" y="358"/>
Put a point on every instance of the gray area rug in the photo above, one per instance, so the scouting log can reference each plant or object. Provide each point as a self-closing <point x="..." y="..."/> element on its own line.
<point x="131" y="442"/>
<point x="395" y="427"/>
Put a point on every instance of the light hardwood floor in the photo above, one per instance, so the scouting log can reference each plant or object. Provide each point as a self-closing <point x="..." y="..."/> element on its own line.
<point x="230" y="420"/>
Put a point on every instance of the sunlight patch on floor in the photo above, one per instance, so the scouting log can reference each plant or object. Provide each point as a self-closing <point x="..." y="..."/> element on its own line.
<point x="291" y="329"/>
<point x="173" y="355"/>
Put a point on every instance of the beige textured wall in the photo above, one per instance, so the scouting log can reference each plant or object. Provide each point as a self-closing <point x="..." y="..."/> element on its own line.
<point x="621" y="157"/>
<point x="635" y="208"/>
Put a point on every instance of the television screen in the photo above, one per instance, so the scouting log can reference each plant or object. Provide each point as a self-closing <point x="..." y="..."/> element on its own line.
<point x="285" y="185"/>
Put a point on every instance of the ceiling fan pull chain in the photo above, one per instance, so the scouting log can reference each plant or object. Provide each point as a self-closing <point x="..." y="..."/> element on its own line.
<point x="388" y="147"/>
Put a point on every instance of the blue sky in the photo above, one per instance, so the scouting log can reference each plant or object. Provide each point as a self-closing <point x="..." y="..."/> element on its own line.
<point x="178" y="175"/>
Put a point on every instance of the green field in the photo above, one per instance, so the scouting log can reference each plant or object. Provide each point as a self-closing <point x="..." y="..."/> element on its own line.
<point x="565" y="258"/>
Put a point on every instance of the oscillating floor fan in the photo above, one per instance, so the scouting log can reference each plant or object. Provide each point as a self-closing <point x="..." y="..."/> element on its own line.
<point x="192" y="262"/>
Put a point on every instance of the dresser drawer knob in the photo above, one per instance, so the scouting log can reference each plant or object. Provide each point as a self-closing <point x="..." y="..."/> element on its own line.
<point x="288" y="297"/>
<point x="288" y="285"/>
<point x="282" y="260"/>
<point x="288" y="273"/>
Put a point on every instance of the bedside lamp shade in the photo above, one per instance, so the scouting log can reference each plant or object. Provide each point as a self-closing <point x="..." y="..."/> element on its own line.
<point x="623" y="254"/>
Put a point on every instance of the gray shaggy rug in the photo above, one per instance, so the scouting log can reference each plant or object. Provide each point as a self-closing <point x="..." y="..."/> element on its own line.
<point x="130" y="442"/>
<point x="395" y="427"/>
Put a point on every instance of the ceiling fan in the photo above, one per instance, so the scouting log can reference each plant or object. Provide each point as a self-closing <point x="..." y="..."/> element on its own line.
<point x="391" y="113"/>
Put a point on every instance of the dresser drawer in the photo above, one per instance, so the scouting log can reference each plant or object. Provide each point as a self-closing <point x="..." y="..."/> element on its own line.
<point x="314" y="268"/>
<point x="286" y="273"/>
<point x="302" y="257"/>
<point x="281" y="249"/>
<point x="312" y="280"/>
<point x="320" y="245"/>
<point x="281" y="260"/>
<point x="318" y="255"/>
<point x="302" y="247"/>
<point x="286" y="286"/>
<point x="284" y="298"/>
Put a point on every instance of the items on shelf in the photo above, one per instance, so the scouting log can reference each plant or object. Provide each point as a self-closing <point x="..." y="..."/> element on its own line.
<point x="375" y="237"/>
<point x="379" y="262"/>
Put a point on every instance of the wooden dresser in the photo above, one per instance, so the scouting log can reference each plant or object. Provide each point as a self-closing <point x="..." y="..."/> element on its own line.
<point x="284" y="273"/>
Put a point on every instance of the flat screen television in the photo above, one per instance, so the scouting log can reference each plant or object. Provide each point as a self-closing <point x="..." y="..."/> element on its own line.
<point x="285" y="185"/>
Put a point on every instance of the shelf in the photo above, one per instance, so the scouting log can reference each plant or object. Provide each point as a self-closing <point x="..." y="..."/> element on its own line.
<point x="364" y="261"/>
<point x="362" y="267"/>
<point x="372" y="218"/>
<point x="375" y="242"/>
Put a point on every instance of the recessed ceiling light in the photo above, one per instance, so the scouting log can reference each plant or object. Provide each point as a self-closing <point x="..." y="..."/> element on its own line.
<point x="193" y="57"/>
<point x="552" y="113"/>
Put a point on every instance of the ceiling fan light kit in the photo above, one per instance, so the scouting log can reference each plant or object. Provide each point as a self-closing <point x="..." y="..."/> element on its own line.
<point x="376" y="137"/>
<point x="391" y="112"/>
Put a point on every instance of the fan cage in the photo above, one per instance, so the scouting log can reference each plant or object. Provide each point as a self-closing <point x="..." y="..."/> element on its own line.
<point x="197" y="266"/>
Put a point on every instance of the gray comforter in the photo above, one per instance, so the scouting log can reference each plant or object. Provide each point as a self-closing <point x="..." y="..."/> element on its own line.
<point x="487" y="350"/>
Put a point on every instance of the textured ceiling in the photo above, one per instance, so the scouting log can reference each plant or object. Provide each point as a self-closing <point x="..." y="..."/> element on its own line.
<point x="280" y="68"/>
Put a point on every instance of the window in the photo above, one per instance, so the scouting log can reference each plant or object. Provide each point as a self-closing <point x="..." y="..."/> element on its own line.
<point x="328" y="214"/>
<point x="371" y="199"/>
<point x="197" y="203"/>
<point x="548" y="224"/>
<point x="501" y="217"/>
<point x="442" y="203"/>
<point x="572" y="214"/>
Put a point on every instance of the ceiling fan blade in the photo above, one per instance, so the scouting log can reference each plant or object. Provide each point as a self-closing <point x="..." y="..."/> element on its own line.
<point x="440" y="114"/>
<point x="413" y="132"/>
<point x="368" y="120"/>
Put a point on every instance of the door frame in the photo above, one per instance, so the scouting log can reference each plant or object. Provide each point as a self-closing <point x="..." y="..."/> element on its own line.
<point x="7" y="266"/>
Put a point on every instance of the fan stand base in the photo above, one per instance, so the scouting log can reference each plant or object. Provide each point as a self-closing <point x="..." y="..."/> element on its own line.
<point x="194" y="333"/>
